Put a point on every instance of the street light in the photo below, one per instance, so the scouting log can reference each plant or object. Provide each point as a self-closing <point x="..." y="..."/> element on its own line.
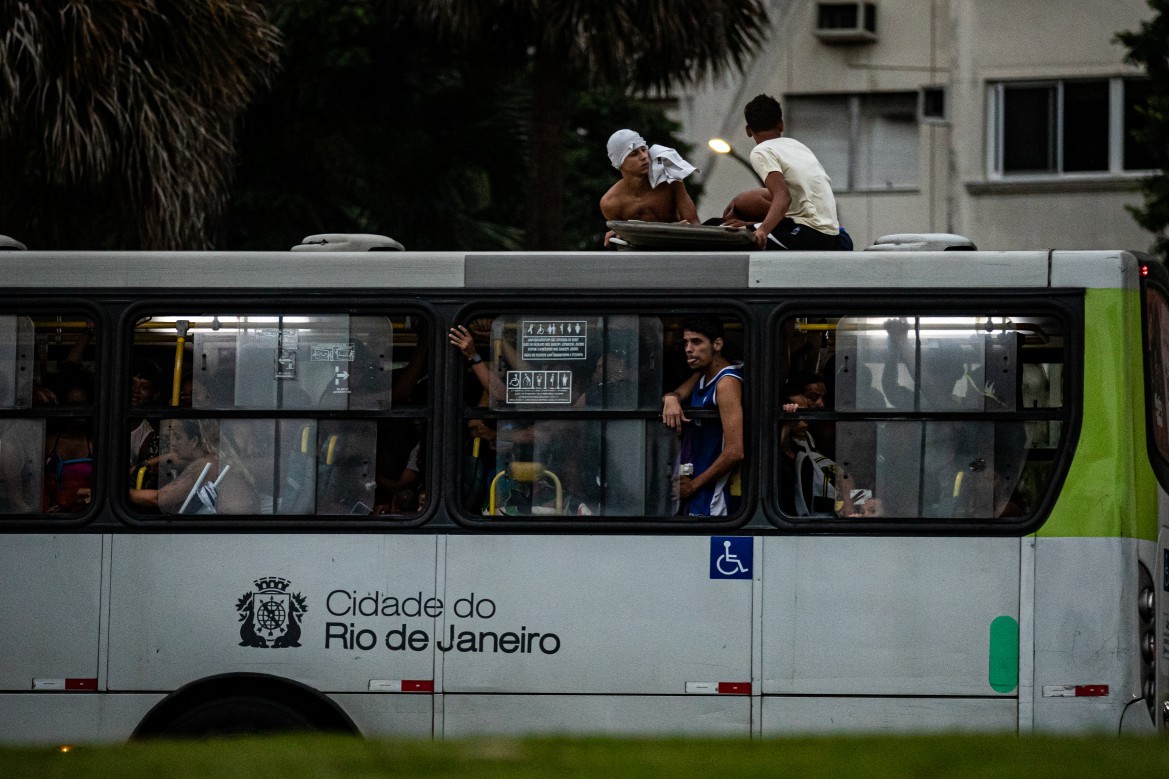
<point x="719" y="146"/>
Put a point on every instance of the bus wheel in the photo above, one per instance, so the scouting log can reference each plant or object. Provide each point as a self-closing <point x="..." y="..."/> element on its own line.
<point x="236" y="715"/>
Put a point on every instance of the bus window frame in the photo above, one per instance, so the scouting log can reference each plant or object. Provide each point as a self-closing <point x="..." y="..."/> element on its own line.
<point x="291" y="305"/>
<point x="1066" y="306"/>
<point x="97" y="412"/>
<point x="1157" y="280"/>
<point x="645" y="303"/>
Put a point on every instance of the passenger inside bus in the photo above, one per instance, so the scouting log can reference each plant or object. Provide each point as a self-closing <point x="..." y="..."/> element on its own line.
<point x="943" y="382"/>
<point x="713" y="449"/>
<point x="47" y="465"/>
<point x="807" y="477"/>
<point x="409" y="383"/>
<point x="192" y="479"/>
<point x="145" y="391"/>
<point x="69" y="454"/>
<point x="479" y="453"/>
<point x="901" y="466"/>
<point x="398" y="479"/>
<point x="575" y="460"/>
<point x="548" y="442"/>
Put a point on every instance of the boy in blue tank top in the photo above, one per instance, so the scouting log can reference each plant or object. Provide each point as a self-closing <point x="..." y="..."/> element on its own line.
<point x="711" y="448"/>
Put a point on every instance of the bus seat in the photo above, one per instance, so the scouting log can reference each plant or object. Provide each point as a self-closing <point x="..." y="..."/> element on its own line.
<point x="345" y="478"/>
<point x="526" y="473"/>
<point x="297" y="490"/>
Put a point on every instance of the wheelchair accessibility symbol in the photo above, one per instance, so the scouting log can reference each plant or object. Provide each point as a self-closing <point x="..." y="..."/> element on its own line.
<point x="730" y="557"/>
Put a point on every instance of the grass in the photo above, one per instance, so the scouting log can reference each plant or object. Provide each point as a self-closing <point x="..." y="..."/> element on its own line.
<point x="287" y="757"/>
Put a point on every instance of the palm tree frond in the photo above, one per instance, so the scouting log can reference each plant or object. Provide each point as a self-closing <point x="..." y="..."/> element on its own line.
<point x="136" y="98"/>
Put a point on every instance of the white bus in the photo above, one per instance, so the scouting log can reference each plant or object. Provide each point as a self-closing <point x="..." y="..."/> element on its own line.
<point x="260" y="491"/>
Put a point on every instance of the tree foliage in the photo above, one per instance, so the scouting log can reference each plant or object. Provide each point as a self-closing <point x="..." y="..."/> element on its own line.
<point x="368" y="129"/>
<point x="371" y="127"/>
<point x="117" y="118"/>
<point x="562" y="45"/>
<point x="643" y="44"/>
<point x="119" y="121"/>
<point x="1148" y="47"/>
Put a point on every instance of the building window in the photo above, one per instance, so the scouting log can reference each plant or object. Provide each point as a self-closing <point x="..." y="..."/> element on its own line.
<point x="1066" y="127"/>
<point x="1136" y="155"/>
<point x="933" y="103"/>
<point x="865" y="142"/>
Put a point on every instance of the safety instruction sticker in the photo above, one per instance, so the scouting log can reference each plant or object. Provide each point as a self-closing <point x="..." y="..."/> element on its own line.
<point x="286" y="343"/>
<point x="539" y="386"/>
<point x="332" y="353"/>
<point x="554" y="339"/>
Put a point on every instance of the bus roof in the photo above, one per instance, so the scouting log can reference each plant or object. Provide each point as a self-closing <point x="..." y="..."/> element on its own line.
<point x="210" y="270"/>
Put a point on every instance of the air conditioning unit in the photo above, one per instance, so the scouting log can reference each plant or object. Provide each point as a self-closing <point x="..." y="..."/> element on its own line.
<point x="846" y="22"/>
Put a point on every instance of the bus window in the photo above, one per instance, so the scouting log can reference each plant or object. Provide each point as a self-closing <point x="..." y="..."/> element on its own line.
<point x="329" y="361"/>
<point x="338" y="424"/>
<point x="47" y="386"/>
<point x="570" y="421"/>
<point x="951" y="418"/>
<point x="1157" y="349"/>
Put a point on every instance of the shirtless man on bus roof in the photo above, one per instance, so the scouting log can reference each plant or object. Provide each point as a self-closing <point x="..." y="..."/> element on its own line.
<point x="651" y="188"/>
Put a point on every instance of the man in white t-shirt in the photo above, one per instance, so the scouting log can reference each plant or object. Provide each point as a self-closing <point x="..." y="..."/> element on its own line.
<point x="801" y="209"/>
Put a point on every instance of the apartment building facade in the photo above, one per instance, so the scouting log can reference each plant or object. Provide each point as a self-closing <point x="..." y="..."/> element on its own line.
<point x="1001" y="120"/>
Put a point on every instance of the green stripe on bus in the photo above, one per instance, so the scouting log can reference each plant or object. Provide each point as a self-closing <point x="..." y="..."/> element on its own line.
<point x="1110" y="490"/>
<point x="1003" y="671"/>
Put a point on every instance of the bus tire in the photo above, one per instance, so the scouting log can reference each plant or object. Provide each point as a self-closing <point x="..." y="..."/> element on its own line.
<point x="242" y="704"/>
<point x="236" y="715"/>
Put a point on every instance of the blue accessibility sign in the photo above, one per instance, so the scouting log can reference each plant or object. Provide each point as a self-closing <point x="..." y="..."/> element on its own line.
<point x="731" y="557"/>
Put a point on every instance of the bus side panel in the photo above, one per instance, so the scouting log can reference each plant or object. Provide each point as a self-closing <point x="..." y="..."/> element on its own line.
<point x="890" y="616"/>
<point x="389" y="715"/>
<point x="616" y="615"/>
<point x="467" y="715"/>
<point x="65" y="718"/>
<point x="835" y="715"/>
<point x="1085" y="631"/>
<point x="50" y="607"/>
<point x="185" y="607"/>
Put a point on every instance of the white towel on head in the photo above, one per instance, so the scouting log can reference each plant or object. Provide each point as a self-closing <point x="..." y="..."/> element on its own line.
<point x="621" y="143"/>
<point x="667" y="166"/>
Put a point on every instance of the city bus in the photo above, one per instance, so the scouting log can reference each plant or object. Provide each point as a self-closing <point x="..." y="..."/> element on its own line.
<point x="259" y="491"/>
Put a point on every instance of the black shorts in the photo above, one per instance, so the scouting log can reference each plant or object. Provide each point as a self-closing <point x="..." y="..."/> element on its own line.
<point x="791" y="236"/>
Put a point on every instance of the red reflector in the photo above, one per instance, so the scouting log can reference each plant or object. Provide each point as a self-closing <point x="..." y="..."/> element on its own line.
<point x="1091" y="690"/>
<point x="417" y="685"/>
<point x="1144" y="270"/>
<point x="81" y="684"/>
<point x="734" y="688"/>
